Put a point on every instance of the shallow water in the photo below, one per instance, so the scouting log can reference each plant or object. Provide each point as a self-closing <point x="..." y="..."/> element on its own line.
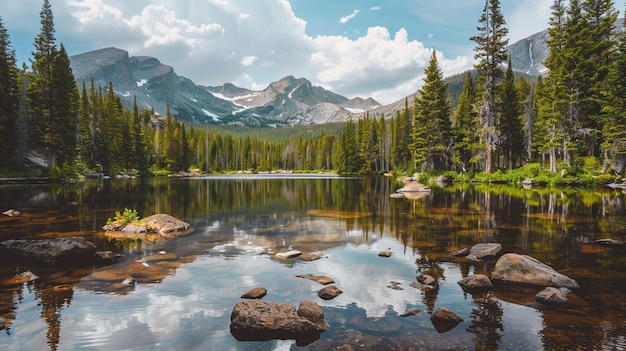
<point x="183" y="299"/>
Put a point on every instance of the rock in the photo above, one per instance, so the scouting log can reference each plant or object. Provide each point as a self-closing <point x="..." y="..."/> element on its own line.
<point x="484" y="251"/>
<point x="324" y="280"/>
<point x="158" y="223"/>
<point x="257" y="320"/>
<point x="255" y="293"/>
<point x="426" y="279"/>
<point x="522" y="269"/>
<point x="11" y="213"/>
<point x="329" y="292"/>
<point x="609" y="242"/>
<point x="3" y="323"/>
<point x="395" y="286"/>
<point x="553" y="296"/>
<point x="288" y="254"/>
<point x="410" y="312"/>
<point x="475" y="283"/>
<point x="397" y="196"/>
<point x="67" y="251"/>
<point x="444" y="320"/>
<point x="384" y="254"/>
<point x="461" y="253"/>
<point x="309" y="256"/>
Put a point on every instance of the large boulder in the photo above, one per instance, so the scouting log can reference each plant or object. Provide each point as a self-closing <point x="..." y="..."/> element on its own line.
<point x="524" y="269"/>
<point x="484" y="251"/>
<point x="257" y="320"/>
<point x="74" y="250"/>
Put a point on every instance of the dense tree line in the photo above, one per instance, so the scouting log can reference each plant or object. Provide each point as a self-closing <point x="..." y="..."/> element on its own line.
<point x="499" y="120"/>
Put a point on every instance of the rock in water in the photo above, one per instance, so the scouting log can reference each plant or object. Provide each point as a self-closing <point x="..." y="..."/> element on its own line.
<point x="524" y="269"/>
<point x="475" y="283"/>
<point x="484" y="251"/>
<point x="255" y="293"/>
<point x="257" y="320"/>
<point x="68" y="251"/>
<point x="444" y="320"/>
<point x="329" y="292"/>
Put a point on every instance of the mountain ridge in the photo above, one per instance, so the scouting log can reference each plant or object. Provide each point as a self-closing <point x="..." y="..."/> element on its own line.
<point x="287" y="101"/>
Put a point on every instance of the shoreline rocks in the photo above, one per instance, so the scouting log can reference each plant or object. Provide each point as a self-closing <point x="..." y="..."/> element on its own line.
<point x="151" y="229"/>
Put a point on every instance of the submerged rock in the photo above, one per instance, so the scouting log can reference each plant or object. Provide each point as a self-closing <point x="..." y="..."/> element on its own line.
<point x="11" y="213"/>
<point x="444" y="320"/>
<point x="19" y="279"/>
<point x="553" y="296"/>
<point x="68" y="251"/>
<point x="322" y="279"/>
<point x="522" y="269"/>
<point x="384" y="254"/>
<point x="257" y="320"/>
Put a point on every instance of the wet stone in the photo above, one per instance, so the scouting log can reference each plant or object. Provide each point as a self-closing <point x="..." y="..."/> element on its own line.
<point x="329" y="292"/>
<point x="410" y="312"/>
<point x="324" y="280"/>
<point x="384" y="254"/>
<point x="445" y="320"/>
<point x="255" y="293"/>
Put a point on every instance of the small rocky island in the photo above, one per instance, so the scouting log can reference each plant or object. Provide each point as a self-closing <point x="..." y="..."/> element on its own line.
<point x="152" y="229"/>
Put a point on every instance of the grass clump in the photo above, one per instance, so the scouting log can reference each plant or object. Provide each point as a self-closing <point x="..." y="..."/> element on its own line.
<point x="124" y="218"/>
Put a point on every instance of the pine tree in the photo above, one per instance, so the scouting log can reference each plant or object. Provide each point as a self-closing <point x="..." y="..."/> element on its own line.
<point x="53" y="95"/>
<point x="465" y="126"/>
<point x="432" y="128"/>
<point x="491" y="53"/>
<point x="613" y="111"/>
<point x="511" y="130"/>
<point x="9" y="97"/>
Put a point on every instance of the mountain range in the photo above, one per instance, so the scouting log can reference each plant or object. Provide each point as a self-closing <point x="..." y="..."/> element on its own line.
<point x="288" y="101"/>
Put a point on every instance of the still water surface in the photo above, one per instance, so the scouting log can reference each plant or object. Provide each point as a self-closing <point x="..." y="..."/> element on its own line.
<point x="183" y="299"/>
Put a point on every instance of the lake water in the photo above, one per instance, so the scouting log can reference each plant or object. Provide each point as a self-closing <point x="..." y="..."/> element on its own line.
<point x="183" y="298"/>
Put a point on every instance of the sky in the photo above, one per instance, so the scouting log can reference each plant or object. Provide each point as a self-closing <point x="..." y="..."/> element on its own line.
<point x="356" y="48"/>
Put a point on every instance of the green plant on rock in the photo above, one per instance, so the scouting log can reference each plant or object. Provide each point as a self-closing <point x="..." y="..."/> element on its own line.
<point x="124" y="218"/>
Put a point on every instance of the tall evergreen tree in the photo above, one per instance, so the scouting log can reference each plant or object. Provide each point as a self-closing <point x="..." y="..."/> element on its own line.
<point x="465" y="126"/>
<point x="9" y="97"/>
<point x="53" y="95"/>
<point x="511" y="130"/>
<point x="491" y="53"/>
<point x="612" y="118"/>
<point x="432" y="127"/>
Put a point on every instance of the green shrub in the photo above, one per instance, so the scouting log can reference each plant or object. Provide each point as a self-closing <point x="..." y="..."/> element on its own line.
<point x="124" y="218"/>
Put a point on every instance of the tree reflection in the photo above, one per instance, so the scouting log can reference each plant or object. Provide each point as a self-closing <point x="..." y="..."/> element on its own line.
<point x="486" y="319"/>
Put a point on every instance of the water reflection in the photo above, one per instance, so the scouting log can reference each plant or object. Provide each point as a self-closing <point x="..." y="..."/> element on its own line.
<point x="186" y="287"/>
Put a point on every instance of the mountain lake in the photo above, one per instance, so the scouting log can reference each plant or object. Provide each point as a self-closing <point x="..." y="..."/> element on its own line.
<point x="183" y="296"/>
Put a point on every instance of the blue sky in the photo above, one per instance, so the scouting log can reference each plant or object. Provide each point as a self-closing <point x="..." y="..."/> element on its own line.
<point x="366" y="48"/>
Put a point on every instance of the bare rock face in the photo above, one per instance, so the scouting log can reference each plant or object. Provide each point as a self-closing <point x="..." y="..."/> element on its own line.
<point x="475" y="283"/>
<point x="67" y="251"/>
<point x="484" y="251"/>
<point x="444" y="320"/>
<point x="257" y="320"/>
<point x="524" y="269"/>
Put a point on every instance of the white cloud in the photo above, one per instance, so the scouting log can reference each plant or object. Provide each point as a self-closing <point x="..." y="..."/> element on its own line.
<point x="375" y="8"/>
<point x="248" y="60"/>
<point x="376" y="65"/>
<point x="346" y="19"/>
